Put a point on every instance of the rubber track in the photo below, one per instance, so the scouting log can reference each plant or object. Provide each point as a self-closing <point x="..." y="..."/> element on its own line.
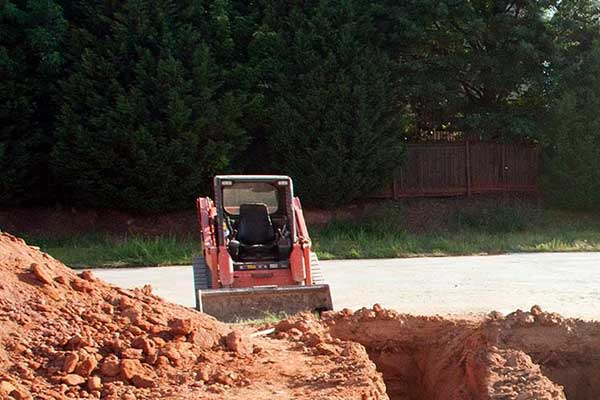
<point x="315" y="267"/>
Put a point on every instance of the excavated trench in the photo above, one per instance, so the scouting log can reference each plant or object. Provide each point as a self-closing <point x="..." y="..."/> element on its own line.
<point x="525" y="355"/>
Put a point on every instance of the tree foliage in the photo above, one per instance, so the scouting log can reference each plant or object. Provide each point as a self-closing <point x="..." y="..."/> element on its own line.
<point x="571" y="133"/>
<point x="335" y="120"/>
<point x="471" y="66"/>
<point x="135" y="104"/>
<point x="31" y="59"/>
<point x="147" y="115"/>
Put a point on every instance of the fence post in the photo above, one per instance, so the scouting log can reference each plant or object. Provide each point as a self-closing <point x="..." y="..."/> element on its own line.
<point x="503" y="168"/>
<point x="395" y="186"/>
<point x="468" y="166"/>
<point x="421" y="174"/>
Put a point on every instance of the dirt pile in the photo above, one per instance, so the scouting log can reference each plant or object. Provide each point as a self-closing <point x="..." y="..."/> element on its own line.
<point x="64" y="335"/>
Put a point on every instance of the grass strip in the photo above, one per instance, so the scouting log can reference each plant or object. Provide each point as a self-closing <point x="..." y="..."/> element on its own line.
<point x="475" y="233"/>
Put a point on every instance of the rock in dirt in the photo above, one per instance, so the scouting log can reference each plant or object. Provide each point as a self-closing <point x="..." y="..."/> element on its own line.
<point x="94" y="383"/>
<point x="180" y="326"/>
<point x="87" y="275"/>
<point x="145" y="344"/>
<point x="143" y="381"/>
<point x="110" y="367"/>
<point x="42" y="274"/>
<point x="71" y="360"/>
<point x="237" y="343"/>
<point x="81" y="285"/>
<point x="6" y="388"/>
<point x="73" y="380"/>
<point x="21" y="394"/>
<point x="86" y="365"/>
<point x="129" y="368"/>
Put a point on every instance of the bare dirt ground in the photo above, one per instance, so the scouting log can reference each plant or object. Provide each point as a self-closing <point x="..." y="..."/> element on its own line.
<point x="422" y="215"/>
<point x="66" y="335"/>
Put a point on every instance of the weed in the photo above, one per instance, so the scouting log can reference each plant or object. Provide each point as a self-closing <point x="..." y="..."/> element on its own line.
<point x="108" y="251"/>
<point x="268" y="318"/>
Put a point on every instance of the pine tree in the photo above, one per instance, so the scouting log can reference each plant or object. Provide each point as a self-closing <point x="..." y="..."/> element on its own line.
<point x="477" y="67"/>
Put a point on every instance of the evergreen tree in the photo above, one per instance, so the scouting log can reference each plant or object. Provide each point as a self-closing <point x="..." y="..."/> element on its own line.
<point x="31" y="59"/>
<point x="148" y="117"/>
<point x="335" y="123"/>
<point x="136" y="104"/>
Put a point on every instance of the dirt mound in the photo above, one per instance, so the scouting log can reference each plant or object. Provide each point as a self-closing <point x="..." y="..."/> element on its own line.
<point x="67" y="335"/>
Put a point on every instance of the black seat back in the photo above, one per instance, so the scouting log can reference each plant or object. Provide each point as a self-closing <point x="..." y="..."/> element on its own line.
<point x="254" y="225"/>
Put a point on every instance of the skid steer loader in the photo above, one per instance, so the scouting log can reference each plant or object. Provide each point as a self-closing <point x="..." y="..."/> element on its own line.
<point x="257" y="257"/>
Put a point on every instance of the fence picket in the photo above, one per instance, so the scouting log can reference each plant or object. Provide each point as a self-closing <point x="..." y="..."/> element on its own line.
<point x="459" y="168"/>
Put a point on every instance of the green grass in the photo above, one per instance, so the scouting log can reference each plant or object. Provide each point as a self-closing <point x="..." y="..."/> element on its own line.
<point x="493" y="231"/>
<point x="268" y="319"/>
<point x="106" y="251"/>
<point x="345" y="244"/>
<point x="382" y="235"/>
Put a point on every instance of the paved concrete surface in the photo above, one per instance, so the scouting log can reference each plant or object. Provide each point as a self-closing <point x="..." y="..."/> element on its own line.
<point x="567" y="283"/>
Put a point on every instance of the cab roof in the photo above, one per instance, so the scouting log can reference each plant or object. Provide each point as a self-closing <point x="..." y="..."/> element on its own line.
<point x="252" y="178"/>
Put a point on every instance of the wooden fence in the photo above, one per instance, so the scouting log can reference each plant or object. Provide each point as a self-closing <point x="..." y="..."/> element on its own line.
<point x="463" y="168"/>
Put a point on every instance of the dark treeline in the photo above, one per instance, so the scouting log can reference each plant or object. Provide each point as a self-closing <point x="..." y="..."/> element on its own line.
<point x="135" y="104"/>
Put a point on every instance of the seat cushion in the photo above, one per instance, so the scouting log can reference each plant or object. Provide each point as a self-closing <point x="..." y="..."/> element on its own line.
<point x="255" y="225"/>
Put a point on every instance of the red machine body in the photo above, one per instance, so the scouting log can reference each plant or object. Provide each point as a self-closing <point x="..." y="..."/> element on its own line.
<point x="254" y="236"/>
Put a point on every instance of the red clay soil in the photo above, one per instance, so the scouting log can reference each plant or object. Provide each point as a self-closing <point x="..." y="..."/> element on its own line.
<point x="431" y="358"/>
<point x="67" y="335"/>
<point x="525" y="355"/>
<point x="64" y="335"/>
<point x="568" y="350"/>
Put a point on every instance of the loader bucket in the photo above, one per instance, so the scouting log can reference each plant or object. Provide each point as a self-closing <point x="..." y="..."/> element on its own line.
<point x="233" y="305"/>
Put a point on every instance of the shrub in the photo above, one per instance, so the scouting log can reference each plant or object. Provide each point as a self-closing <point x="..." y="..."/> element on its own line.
<point x="571" y="165"/>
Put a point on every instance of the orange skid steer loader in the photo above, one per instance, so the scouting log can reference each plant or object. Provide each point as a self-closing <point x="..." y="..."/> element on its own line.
<point x="257" y="257"/>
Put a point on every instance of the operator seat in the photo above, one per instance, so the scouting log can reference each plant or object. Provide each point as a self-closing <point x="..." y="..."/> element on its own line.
<point x="255" y="230"/>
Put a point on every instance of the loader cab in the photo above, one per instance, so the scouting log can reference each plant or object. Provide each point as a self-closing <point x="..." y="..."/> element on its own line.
<point x="257" y="219"/>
